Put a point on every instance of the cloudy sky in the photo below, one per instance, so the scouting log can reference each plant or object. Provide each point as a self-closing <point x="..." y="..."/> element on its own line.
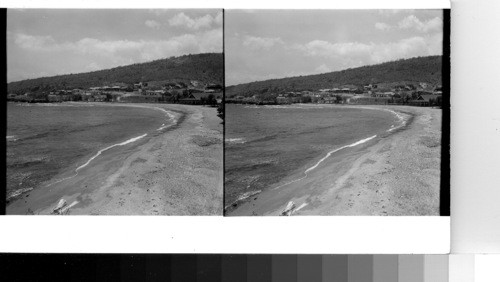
<point x="51" y="42"/>
<point x="268" y="44"/>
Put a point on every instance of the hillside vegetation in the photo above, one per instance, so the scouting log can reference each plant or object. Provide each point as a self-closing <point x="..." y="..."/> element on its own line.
<point x="419" y="69"/>
<point x="206" y="68"/>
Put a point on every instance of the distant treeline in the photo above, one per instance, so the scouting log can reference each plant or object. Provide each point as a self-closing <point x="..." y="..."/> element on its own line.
<point x="419" y="69"/>
<point x="207" y="68"/>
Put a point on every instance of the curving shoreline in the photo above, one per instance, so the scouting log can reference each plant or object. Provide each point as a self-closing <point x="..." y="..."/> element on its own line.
<point x="403" y="119"/>
<point x="155" y="175"/>
<point x="172" y="119"/>
<point x="395" y="174"/>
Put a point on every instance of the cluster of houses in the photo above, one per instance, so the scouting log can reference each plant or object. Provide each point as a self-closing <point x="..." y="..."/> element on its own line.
<point x="195" y="93"/>
<point x="421" y="94"/>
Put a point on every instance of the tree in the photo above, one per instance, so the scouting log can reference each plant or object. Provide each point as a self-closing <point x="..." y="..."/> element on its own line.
<point x="305" y="99"/>
<point x="338" y="99"/>
<point x="220" y="111"/>
<point x="76" y="97"/>
<point x="439" y="101"/>
<point x="211" y="100"/>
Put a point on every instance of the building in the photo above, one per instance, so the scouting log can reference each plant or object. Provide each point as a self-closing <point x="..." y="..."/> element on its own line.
<point x="383" y="94"/>
<point x="190" y="99"/>
<point x="283" y="100"/>
<point x="205" y="95"/>
<point x="425" y="100"/>
<point x="363" y="100"/>
<point x="156" y="93"/>
<point x="213" y="86"/>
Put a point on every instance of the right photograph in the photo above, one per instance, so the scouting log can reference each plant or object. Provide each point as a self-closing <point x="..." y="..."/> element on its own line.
<point x="336" y="112"/>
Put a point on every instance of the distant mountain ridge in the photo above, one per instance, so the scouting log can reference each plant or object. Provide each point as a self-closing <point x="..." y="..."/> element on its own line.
<point x="206" y="68"/>
<point x="413" y="70"/>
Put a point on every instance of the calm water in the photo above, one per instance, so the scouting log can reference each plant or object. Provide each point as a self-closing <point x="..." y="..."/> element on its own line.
<point x="265" y="144"/>
<point x="45" y="139"/>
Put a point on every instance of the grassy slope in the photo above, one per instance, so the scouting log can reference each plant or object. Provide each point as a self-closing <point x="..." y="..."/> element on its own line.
<point x="420" y="69"/>
<point x="207" y="68"/>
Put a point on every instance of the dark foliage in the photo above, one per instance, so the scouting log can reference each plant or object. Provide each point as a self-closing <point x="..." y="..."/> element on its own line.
<point x="220" y="111"/>
<point x="206" y="68"/>
<point x="420" y="69"/>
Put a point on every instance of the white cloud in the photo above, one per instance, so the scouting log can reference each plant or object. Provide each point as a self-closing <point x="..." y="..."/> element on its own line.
<point x="126" y="51"/>
<point x="412" y="22"/>
<point x="326" y="49"/>
<point x="152" y="24"/>
<point x="382" y="26"/>
<point x="93" y="66"/>
<point x="32" y="42"/>
<point x="206" y="21"/>
<point x="354" y="53"/>
<point x="218" y="18"/>
<point x="261" y="43"/>
<point x="322" y="69"/>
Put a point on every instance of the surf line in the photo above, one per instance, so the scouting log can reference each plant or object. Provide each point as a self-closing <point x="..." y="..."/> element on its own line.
<point x="96" y="155"/>
<point x="171" y="117"/>
<point x="326" y="157"/>
<point x="401" y="120"/>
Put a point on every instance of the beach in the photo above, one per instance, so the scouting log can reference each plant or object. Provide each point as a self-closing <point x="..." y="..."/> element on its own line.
<point x="177" y="170"/>
<point x="394" y="173"/>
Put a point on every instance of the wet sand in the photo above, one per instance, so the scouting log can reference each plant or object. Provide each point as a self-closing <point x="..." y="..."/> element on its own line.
<point x="174" y="172"/>
<point x="397" y="173"/>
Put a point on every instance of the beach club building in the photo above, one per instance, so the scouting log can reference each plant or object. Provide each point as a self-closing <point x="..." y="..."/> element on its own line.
<point x="425" y="100"/>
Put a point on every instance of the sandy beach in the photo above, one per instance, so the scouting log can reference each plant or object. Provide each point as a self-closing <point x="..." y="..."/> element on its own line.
<point x="396" y="173"/>
<point x="177" y="171"/>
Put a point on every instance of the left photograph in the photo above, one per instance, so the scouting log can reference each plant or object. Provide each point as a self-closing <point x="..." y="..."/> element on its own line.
<point x="114" y="112"/>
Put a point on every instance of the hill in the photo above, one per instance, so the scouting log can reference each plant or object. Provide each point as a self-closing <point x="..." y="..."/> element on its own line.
<point x="206" y="68"/>
<point x="414" y="70"/>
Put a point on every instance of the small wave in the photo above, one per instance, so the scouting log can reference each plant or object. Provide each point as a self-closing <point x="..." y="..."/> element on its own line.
<point x="63" y="104"/>
<point x="11" y="138"/>
<point x="326" y="157"/>
<point x="284" y="107"/>
<point x="96" y="155"/>
<point x="248" y="194"/>
<point x="401" y="120"/>
<point x="336" y="150"/>
<point x="235" y="140"/>
<point x="172" y="119"/>
<point x="49" y="104"/>
<point x="18" y="192"/>
<point x="163" y="126"/>
<point x="244" y="196"/>
<point x="109" y="147"/>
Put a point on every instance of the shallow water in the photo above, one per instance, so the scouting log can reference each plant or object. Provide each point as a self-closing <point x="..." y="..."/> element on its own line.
<point x="263" y="145"/>
<point x="45" y="139"/>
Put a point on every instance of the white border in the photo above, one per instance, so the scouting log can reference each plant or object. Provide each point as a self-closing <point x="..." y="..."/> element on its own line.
<point x="486" y="268"/>
<point x="233" y="4"/>
<point x="475" y="127"/>
<point x="157" y="234"/>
